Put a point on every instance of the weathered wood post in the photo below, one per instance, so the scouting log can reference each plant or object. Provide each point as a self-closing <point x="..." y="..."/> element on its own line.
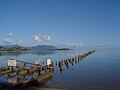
<point x="19" y="79"/>
<point x="78" y="59"/>
<point x="39" y="70"/>
<point x="75" y="60"/>
<point x="56" y="63"/>
<point x="66" y="63"/>
<point x="24" y="66"/>
<point x="60" y="66"/>
<point x="51" y="66"/>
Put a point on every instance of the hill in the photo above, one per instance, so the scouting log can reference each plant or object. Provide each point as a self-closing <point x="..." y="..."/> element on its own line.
<point x="43" y="47"/>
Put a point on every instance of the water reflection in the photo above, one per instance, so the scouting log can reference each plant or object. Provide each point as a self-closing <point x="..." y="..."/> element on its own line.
<point x="12" y="52"/>
<point x="22" y="76"/>
<point x="46" y="52"/>
<point x="30" y="56"/>
<point x="72" y="61"/>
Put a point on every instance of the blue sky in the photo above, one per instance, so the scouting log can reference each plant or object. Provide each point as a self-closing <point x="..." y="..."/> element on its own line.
<point x="85" y="22"/>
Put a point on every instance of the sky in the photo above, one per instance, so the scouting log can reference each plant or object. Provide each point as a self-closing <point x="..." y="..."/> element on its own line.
<point x="60" y="22"/>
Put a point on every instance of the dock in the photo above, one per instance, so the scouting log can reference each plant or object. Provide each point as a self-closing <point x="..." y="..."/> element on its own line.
<point x="36" y="73"/>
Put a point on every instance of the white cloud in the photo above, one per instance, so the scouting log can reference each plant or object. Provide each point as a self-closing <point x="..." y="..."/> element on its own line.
<point x="7" y="41"/>
<point x="10" y="34"/>
<point x="99" y="44"/>
<point x="18" y="42"/>
<point x="81" y="44"/>
<point x="71" y="45"/>
<point x="75" y="44"/>
<point x="48" y="38"/>
<point x="40" y="38"/>
<point x="11" y="42"/>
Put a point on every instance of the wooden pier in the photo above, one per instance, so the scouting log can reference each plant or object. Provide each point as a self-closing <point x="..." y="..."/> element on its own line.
<point x="36" y="73"/>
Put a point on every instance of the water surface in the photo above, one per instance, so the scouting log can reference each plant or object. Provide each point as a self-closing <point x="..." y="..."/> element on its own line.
<point x="99" y="71"/>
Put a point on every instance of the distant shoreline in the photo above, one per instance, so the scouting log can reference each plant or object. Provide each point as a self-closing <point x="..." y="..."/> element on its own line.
<point x="61" y="49"/>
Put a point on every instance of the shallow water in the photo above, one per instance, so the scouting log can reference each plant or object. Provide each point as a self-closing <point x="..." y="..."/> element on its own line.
<point x="99" y="71"/>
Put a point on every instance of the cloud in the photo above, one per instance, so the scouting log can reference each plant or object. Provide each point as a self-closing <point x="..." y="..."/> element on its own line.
<point x="19" y="42"/>
<point x="71" y="45"/>
<point x="75" y="44"/>
<point x="7" y="41"/>
<point x="101" y="44"/>
<point x="11" y="42"/>
<point x="39" y="38"/>
<point x="81" y="45"/>
<point x="48" y="38"/>
<point x="10" y="34"/>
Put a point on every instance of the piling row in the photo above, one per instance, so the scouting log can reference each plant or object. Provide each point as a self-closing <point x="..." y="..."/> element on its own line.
<point x="73" y="60"/>
<point x="37" y="72"/>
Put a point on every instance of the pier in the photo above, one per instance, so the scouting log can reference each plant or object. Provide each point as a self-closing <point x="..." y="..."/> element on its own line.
<point x="36" y="73"/>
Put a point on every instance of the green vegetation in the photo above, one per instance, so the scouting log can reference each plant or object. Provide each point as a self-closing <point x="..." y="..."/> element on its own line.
<point x="12" y="49"/>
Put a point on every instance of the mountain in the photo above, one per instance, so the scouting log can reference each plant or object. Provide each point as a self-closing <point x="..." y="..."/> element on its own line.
<point x="38" y="47"/>
<point x="43" y="47"/>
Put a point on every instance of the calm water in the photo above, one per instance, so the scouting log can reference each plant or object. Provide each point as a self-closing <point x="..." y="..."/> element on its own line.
<point x="99" y="71"/>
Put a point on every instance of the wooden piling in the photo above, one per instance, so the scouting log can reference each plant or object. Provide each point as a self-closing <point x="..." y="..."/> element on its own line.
<point x="24" y="71"/>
